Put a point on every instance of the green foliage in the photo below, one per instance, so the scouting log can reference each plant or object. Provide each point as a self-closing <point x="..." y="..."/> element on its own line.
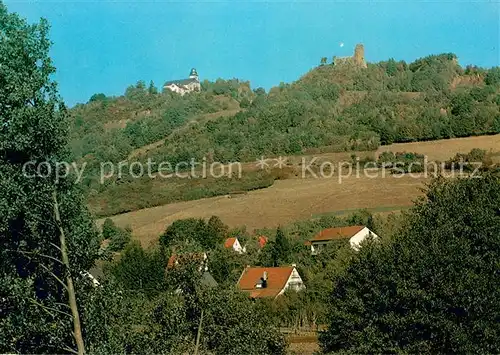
<point x="431" y="288"/>
<point x="152" y="90"/>
<point x="476" y="158"/>
<point x="168" y="322"/>
<point x="234" y="324"/>
<point x="195" y="234"/>
<point x="226" y="266"/>
<point x="493" y="76"/>
<point x="281" y="250"/>
<point x="98" y="98"/>
<point x="402" y="162"/>
<point x="128" y="194"/>
<point x="34" y="308"/>
<point x="139" y="269"/>
<point x="118" y="238"/>
<point x="245" y="103"/>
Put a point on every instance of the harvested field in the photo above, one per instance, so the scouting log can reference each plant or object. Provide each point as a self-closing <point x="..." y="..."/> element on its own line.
<point x="299" y="198"/>
<point x="286" y="201"/>
<point x="303" y="348"/>
<point x="446" y="148"/>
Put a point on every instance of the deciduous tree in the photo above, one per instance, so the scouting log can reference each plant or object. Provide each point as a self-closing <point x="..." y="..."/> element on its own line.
<point x="44" y="227"/>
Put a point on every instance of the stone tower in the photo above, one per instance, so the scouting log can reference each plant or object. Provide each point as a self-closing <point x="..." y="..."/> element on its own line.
<point x="359" y="56"/>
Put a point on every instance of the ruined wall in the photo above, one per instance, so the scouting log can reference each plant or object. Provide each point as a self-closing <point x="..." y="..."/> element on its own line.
<point x="359" y="56"/>
<point x="358" y="59"/>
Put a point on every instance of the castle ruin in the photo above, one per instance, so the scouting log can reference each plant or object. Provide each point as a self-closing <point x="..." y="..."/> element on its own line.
<point x="358" y="59"/>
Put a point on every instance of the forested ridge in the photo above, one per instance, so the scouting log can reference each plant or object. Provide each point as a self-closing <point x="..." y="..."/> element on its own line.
<point x="338" y="108"/>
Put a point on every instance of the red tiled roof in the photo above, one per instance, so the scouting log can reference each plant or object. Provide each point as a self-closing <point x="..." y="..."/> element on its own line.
<point x="262" y="241"/>
<point x="276" y="280"/>
<point x="229" y="242"/>
<point x="337" y="233"/>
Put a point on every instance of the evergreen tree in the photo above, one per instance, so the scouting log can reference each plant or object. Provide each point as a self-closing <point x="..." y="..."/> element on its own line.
<point x="281" y="249"/>
<point x="152" y="90"/>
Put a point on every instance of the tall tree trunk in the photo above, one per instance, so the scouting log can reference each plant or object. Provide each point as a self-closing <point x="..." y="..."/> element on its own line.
<point x="198" y="335"/>
<point x="69" y="281"/>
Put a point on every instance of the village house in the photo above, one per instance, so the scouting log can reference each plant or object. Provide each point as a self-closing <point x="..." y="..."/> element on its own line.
<point x="234" y="243"/>
<point x="355" y="235"/>
<point x="269" y="282"/>
<point x="184" y="86"/>
<point x="201" y="259"/>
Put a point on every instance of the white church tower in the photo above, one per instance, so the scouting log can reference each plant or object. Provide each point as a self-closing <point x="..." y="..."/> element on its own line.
<point x="183" y="86"/>
<point x="193" y="74"/>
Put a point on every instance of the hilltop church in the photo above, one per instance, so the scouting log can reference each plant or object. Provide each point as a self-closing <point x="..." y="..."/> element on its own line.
<point x="184" y="86"/>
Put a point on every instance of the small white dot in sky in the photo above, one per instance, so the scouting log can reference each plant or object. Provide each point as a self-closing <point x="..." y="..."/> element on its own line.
<point x="341" y="44"/>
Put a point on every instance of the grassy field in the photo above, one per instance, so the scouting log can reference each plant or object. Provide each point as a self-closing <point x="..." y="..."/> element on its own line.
<point x="284" y="202"/>
<point x="297" y="198"/>
<point x="444" y="149"/>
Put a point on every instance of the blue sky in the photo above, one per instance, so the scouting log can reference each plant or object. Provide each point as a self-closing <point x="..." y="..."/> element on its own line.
<point x="104" y="46"/>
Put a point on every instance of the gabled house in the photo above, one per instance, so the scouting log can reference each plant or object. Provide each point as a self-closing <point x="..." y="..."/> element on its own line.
<point x="355" y="235"/>
<point x="234" y="243"/>
<point x="269" y="282"/>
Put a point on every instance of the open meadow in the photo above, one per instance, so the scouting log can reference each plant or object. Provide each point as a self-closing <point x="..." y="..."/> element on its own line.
<point x="299" y="198"/>
<point x="284" y="202"/>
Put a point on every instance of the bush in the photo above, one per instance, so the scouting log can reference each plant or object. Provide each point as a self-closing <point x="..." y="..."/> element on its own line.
<point x="470" y="161"/>
<point x="402" y="162"/>
<point x="245" y="103"/>
<point x="118" y="238"/>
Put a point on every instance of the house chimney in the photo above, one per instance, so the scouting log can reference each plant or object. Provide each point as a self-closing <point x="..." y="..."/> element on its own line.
<point x="264" y="279"/>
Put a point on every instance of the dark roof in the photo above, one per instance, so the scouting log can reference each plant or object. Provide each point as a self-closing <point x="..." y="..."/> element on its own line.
<point x="181" y="82"/>
<point x="207" y="280"/>
<point x="97" y="273"/>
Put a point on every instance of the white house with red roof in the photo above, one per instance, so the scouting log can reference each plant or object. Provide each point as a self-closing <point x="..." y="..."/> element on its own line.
<point x="355" y="235"/>
<point x="234" y="243"/>
<point x="269" y="282"/>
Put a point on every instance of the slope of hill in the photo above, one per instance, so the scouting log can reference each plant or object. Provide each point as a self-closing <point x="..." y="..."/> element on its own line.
<point x="350" y="109"/>
<point x="330" y="109"/>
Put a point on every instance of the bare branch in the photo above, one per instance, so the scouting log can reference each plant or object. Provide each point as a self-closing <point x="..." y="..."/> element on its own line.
<point x="48" y="309"/>
<point x="36" y="254"/>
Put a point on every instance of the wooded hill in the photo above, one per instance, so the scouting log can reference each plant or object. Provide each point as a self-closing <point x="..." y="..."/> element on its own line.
<point x="331" y="108"/>
<point x="343" y="108"/>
